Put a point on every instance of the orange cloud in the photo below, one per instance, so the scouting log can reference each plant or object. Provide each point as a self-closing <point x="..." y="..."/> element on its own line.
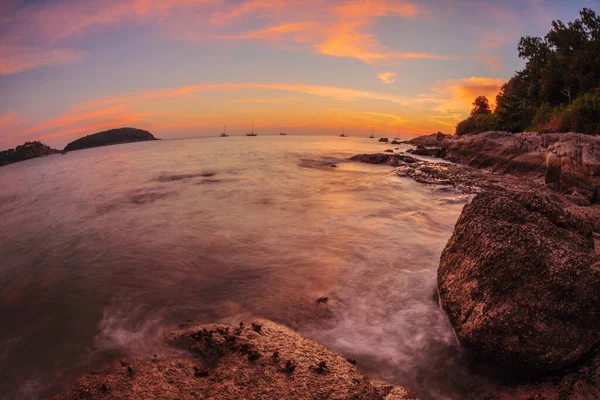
<point x="387" y="77"/>
<point x="71" y="118"/>
<point x="114" y="111"/>
<point x="245" y="8"/>
<point x="454" y="97"/>
<point x="339" y="30"/>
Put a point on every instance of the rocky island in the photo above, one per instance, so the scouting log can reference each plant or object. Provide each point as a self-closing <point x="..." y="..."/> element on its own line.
<point x="112" y="136"/>
<point x="26" y="151"/>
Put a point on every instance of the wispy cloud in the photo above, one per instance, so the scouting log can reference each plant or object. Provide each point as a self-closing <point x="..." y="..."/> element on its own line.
<point x="102" y="112"/>
<point x="387" y="77"/>
<point x="15" y="59"/>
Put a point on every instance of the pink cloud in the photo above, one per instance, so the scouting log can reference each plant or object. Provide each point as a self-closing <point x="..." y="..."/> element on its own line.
<point x="14" y="59"/>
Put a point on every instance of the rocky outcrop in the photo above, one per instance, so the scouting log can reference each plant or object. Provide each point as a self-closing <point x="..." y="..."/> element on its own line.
<point x="26" y="151"/>
<point x="389" y="159"/>
<point x="433" y="140"/>
<point x="569" y="162"/>
<point x="383" y="139"/>
<point x="424" y="151"/>
<point x="519" y="280"/>
<point x="113" y="136"/>
<point x="260" y="361"/>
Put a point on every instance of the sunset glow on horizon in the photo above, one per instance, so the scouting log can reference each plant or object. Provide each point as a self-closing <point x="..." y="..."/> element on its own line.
<point x="183" y="68"/>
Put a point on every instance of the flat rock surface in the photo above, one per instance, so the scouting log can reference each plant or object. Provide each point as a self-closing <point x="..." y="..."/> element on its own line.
<point x="260" y="361"/>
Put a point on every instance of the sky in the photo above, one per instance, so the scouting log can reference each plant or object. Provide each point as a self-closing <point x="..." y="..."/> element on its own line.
<point x="184" y="68"/>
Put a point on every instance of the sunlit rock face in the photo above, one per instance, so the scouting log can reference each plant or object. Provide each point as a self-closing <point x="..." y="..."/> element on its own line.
<point x="569" y="162"/>
<point x="519" y="280"/>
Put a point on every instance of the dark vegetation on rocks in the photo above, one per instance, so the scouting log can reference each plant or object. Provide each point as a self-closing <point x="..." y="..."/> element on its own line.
<point x="112" y="136"/>
<point x="25" y="152"/>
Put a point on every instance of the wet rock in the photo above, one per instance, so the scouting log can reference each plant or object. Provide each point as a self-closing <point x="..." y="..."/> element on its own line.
<point x="435" y="140"/>
<point x="567" y="161"/>
<point x="384" y="140"/>
<point x="388" y="151"/>
<point x="424" y="151"/>
<point x="200" y="372"/>
<point x="311" y="371"/>
<point x="519" y="280"/>
<point x="322" y="300"/>
<point x="396" y="142"/>
<point x="389" y="159"/>
<point x="579" y="382"/>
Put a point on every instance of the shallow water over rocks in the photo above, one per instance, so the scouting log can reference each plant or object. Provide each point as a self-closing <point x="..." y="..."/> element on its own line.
<point x="104" y="249"/>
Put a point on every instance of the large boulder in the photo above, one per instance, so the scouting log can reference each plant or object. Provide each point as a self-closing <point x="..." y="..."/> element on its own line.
<point x="520" y="280"/>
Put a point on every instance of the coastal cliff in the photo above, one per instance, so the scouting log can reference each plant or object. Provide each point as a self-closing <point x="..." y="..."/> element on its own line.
<point x="112" y="136"/>
<point x="26" y="151"/>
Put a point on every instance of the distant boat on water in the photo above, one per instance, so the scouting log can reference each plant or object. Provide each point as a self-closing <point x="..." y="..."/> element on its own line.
<point x="372" y="135"/>
<point x="283" y="133"/>
<point x="251" y="133"/>
<point x="224" y="133"/>
<point x="343" y="134"/>
<point x="398" y="135"/>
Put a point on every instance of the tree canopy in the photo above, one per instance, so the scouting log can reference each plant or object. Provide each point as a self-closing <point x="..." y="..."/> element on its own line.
<point x="559" y="88"/>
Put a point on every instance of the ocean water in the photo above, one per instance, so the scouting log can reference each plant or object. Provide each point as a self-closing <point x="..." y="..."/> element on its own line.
<point x="103" y="250"/>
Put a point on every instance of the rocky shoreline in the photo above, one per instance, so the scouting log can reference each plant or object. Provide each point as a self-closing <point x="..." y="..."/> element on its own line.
<point x="518" y="280"/>
<point x="519" y="277"/>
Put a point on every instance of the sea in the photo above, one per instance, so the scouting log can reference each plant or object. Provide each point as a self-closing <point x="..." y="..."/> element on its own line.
<point x="104" y="250"/>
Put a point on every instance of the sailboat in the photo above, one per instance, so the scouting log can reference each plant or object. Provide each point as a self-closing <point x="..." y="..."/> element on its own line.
<point x="398" y="134"/>
<point x="343" y="134"/>
<point x="372" y="136"/>
<point x="251" y="133"/>
<point x="224" y="133"/>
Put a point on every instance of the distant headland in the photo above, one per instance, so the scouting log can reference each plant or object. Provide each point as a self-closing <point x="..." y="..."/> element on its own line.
<point x="38" y="149"/>
<point x="25" y="152"/>
<point x="112" y="136"/>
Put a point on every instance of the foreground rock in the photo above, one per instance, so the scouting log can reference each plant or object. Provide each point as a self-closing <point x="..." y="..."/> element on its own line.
<point x="25" y="152"/>
<point x="113" y="136"/>
<point x="568" y="162"/>
<point x="519" y="281"/>
<point x="260" y="361"/>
